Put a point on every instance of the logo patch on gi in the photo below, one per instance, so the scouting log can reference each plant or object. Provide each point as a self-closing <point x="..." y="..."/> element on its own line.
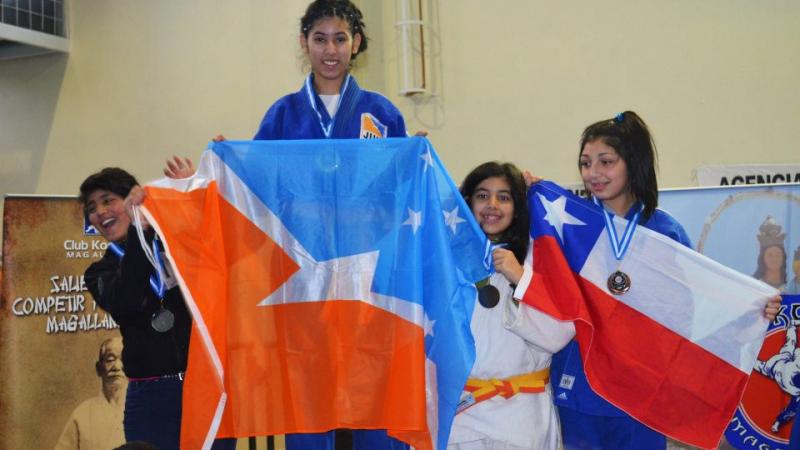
<point x="566" y="381"/>
<point x="770" y="401"/>
<point x="371" y="128"/>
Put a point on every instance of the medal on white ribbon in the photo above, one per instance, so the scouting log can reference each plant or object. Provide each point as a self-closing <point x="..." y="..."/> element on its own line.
<point x="619" y="282"/>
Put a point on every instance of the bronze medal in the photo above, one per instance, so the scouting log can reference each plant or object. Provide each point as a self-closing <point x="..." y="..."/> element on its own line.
<point x="619" y="282"/>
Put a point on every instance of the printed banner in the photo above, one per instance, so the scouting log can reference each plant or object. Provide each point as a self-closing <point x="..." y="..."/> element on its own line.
<point x="63" y="385"/>
<point x="748" y="174"/>
<point x="754" y="229"/>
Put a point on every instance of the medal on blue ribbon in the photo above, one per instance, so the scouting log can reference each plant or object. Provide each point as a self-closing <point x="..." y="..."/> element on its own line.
<point x="488" y="295"/>
<point x="163" y="319"/>
<point x="619" y="282"/>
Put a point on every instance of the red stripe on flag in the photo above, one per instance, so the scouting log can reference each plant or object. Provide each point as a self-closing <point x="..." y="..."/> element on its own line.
<point x="659" y="377"/>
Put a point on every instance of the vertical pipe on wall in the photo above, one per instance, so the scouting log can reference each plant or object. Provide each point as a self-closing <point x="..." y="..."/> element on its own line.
<point x="411" y="29"/>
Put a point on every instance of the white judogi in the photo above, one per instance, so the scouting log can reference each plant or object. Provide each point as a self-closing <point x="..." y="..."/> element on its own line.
<point x="509" y="341"/>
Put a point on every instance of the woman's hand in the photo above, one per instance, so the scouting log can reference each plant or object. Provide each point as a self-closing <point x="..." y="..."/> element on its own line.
<point x="178" y="168"/>
<point x="421" y="133"/>
<point x="530" y="179"/>
<point x="772" y="308"/>
<point x="506" y="263"/>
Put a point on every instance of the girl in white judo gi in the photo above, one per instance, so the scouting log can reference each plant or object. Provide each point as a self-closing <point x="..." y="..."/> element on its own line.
<point x="507" y="402"/>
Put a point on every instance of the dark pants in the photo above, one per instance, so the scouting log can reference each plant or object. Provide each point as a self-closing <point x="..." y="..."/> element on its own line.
<point x="153" y="414"/>
<point x="344" y="440"/>
<point x="587" y="432"/>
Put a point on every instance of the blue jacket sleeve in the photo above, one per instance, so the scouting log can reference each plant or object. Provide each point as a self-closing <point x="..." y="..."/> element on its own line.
<point x="270" y="124"/>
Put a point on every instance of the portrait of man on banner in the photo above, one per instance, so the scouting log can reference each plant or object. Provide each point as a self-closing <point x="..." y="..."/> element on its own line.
<point x="58" y="347"/>
<point x="96" y="424"/>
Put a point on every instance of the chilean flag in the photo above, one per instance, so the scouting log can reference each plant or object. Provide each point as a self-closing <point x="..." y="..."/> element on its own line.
<point x="675" y="351"/>
<point x="331" y="284"/>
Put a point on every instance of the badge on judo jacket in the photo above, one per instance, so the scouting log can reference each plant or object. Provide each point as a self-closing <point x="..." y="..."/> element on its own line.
<point x="566" y="381"/>
<point x="371" y="128"/>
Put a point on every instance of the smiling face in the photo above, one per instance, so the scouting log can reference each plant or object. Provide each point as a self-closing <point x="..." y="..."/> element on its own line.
<point x="106" y="211"/>
<point x="493" y="206"/>
<point x="330" y="45"/>
<point x="605" y="175"/>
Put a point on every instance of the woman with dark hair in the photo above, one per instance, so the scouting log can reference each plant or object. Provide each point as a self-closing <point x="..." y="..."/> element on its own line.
<point x="617" y="162"/>
<point x="331" y="104"/>
<point x="793" y="287"/>
<point x="771" y="267"/>
<point x="514" y="235"/>
<point x="625" y="144"/>
<point x="147" y="305"/>
<point x="507" y="401"/>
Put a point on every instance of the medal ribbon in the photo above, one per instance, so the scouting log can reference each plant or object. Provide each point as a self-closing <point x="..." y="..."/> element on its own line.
<point x="620" y="246"/>
<point x="312" y="100"/>
<point x="156" y="281"/>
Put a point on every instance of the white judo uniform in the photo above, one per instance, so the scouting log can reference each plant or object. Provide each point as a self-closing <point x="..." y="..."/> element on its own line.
<point x="511" y="341"/>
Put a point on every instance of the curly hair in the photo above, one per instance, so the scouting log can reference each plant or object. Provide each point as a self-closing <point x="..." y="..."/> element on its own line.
<point x="343" y="9"/>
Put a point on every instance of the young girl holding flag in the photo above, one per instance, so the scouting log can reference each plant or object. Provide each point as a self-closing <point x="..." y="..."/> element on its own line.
<point x="617" y="165"/>
<point x="148" y="306"/>
<point x="507" y="402"/>
<point x="329" y="105"/>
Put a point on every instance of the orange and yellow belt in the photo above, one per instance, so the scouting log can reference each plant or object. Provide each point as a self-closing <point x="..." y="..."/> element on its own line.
<point x="529" y="383"/>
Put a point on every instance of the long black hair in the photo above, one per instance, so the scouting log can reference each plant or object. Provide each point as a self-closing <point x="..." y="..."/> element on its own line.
<point x="517" y="235"/>
<point x="629" y="136"/>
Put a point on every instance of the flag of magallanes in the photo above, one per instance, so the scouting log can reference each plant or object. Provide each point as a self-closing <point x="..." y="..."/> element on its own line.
<point x="676" y="350"/>
<point x="331" y="284"/>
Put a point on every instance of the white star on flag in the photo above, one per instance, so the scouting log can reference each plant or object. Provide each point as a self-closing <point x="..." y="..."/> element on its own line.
<point x="451" y="219"/>
<point x="557" y="214"/>
<point x="428" y="158"/>
<point x="345" y="278"/>
<point x="428" y="325"/>
<point x="414" y="219"/>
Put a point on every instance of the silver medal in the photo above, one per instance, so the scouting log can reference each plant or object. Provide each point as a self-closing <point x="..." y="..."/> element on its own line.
<point x="162" y="320"/>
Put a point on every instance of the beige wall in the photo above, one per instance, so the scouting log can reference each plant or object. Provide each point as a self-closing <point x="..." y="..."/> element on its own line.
<point x="515" y="80"/>
<point x="717" y="81"/>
